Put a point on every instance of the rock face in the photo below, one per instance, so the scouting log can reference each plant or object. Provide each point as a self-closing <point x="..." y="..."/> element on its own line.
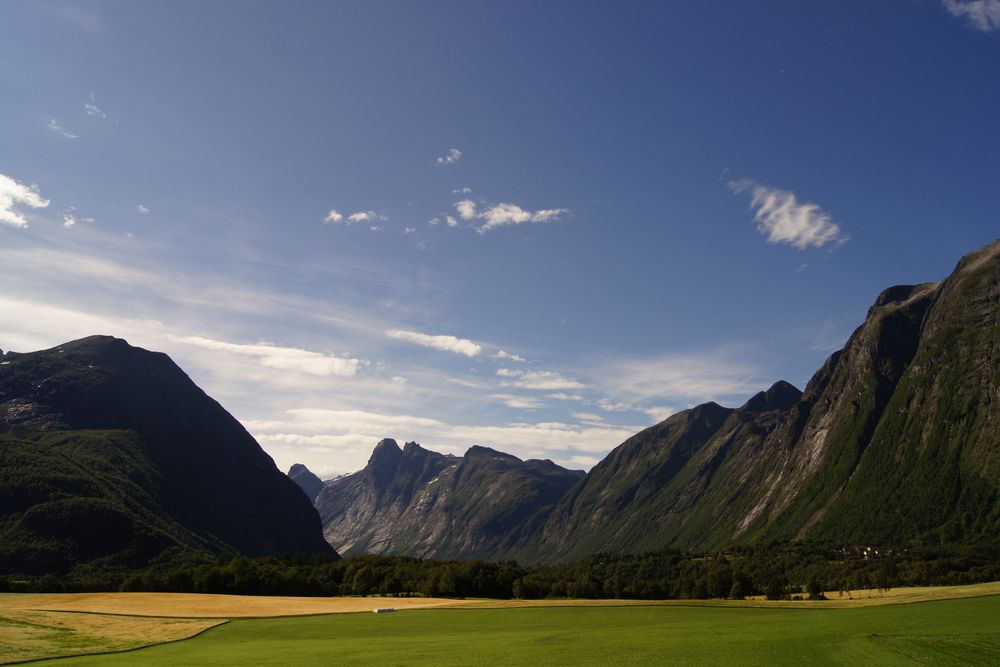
<point x="100" y="424"/>
<point x="310" y="484"/>
<point x="421" y="503"/>
<point x="896" y="438"/>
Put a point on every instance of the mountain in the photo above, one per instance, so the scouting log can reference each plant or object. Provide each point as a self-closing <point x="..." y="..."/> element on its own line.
<point x="895" y="439"/>
<point x="310" y="484"/>
<point x="111" y="455"/>
<point x="421" y="503"/>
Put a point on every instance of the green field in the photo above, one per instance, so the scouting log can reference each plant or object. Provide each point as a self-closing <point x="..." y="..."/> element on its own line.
<point x="965" y="631"/>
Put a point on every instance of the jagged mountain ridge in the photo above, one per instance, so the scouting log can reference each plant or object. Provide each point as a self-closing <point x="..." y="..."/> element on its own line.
<point x="417" y="502"/>
<point x="97" y="428"/>
<point x="895" y="438"/>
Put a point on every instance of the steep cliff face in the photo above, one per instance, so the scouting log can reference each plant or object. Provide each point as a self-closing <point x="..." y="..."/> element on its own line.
<point x="114" y="406"/>
<point x="420" y="503"/>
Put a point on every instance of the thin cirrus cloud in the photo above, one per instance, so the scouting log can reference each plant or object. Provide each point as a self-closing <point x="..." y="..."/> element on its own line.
<point x="519" y="402"/>
<point x="92" y="109"/>
<point x="60" y="130"/>
<point x="542" y="380"/>
<point x="282" y="358"/>
<point x="14" y="195"/>
<point x="983" y="15"/>
<point x="443" y="343"/>
<point x="142" y="210"/>
<point x="453" y="156"/>
<point x="782" y="219"/>
<point x="70" y="220"/>
<point x="502" y="354"/>
<point x="503" y="214"/>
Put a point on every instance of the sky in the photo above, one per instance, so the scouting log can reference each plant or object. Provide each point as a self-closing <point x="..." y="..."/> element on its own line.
<point x="534" y="226"/>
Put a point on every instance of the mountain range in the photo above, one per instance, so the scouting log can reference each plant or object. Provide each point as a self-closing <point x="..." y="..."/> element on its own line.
<point x="895" y="439"/>
<point x="112" y="459"/>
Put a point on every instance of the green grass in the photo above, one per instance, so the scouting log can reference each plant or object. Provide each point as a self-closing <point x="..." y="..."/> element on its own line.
<point x="941" y="633"/>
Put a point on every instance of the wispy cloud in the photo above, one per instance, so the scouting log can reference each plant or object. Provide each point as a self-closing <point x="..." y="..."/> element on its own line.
<point x="438" y="342"/>
<point x="507" y="355"/>
<point x="503" y="214"/>
<point x="70" y="220"/>
<point x="453" y="156"/>
<point x="543" y="380"/>
<point x="348" y="436"/>
<point x="142" y="210"/>
<point x="282" y="358"/>
<point x="461" y="191"/>
<point x="519" y="402"/>
<point x="718" y="376"/>
<point x="363" y="216"/>
<point x="334" y="216"/>
<point x="982" y="15"/>
<point x="14" y="194"/>
<point x="782" y="219"/>
<point x="60" y="130"/>
<point x="92" y="109"/>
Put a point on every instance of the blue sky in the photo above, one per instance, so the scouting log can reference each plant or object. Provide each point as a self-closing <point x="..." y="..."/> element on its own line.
<point x="536" y="226"/>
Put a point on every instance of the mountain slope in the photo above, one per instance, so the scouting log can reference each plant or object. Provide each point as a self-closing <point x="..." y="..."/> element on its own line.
<point x="310" y="484"/>
<point x="420" y="503"/>
<point x="896" y="438"/>
<point x="204" y="478"/>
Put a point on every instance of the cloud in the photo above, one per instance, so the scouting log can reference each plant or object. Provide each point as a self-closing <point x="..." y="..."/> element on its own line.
<point x="13" y="194"/>
<point x="282" y="358"/>
<point x="92" y="109"/>
<point x="466" y="208"/>
<point x="461" y="191"/>
<point x="659" y="412"/>
<point x="982" y="15"/>
<point x="438" y="342"/>
<point x="544" y="380"/>
<point x="59" y="129"/>
<point x="588" y="417"/>
<point x="452" y="222"/>
<point x="335" y="216"/>
<point x="507" y="355"/>
<point x="453" y="156"/>
<point x="562" y="396"/>
<point x="70" y="220"/>
<point x="348" y="436"/>
<point x="142" y="210"/>
<point x="505" y="214"/>
<point x="519" y="402"/>
<point x="713" y="376"/>
<point x="410" y="230"/>
<point x="362" y="216"/>
<point x="782" y="219"/>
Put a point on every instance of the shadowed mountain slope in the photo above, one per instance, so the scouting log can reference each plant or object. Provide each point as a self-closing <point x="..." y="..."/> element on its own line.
<point x="100" y="433"/>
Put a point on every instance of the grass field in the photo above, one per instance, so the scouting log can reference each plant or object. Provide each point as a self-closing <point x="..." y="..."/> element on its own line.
<point x="962" y="630"/>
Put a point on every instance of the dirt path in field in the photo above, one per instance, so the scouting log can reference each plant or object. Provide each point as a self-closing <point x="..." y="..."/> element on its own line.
<point x="183" y="605"/>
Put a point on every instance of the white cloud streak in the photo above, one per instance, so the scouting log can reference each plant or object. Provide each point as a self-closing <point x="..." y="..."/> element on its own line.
<point x="142" y="210"/>
<point x="14" y="194"/>
<point x="60" y="130"/>
<point x="501" y="354"/>
<point x="680" y="378"/>
<point x="437" y="342"/>
<point x="453" y="156"/>
<point x="92" y="109"/>
<point x="282" y="358"/>
<point x="983" y="15"/>
<point x="542" y="380"/>
<point x="503" y="214"/>
<point x="782" y="219"/>
<point x="519" y="402"/>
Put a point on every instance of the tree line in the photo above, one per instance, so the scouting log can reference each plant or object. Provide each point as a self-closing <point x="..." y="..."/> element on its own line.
<point x="777" y="571"/>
